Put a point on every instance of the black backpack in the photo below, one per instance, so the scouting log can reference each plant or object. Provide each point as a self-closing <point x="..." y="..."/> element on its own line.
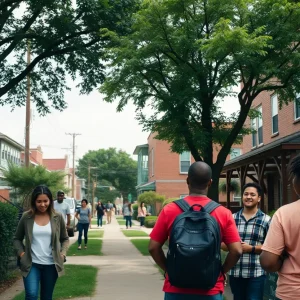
<point x="194" y="256"/>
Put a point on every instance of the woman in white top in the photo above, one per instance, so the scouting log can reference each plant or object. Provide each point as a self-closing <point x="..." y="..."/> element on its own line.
<point x="142" y="212"/>
<point x="42" y="255"/>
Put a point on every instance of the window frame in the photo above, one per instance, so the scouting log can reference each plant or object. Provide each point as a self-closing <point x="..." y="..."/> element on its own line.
<point x="257" y="128"/>
<point x="274" y="96"/>
<point x="295" y="107"/>
<point x="180" y="171"/>
<point x="152" y="162"/>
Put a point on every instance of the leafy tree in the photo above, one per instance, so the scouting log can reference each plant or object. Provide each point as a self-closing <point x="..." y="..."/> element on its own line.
<point x="24" y="180"/>
<point x="183" y="57"/>
<point x="116" y="167"/>
<point x="66" y="40"/>
<point x="104" y="191"/>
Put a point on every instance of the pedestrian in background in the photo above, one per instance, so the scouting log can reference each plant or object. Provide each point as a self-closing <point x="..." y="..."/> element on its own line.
<point x="100" y="213"/>
<point x="142" y="212"/>
<point x="42" y="256"/>
<point x="127" y="213"/>
<point x="108" y="208"/>
<point x="62" y="207"/>
<point x="84" y="217"/>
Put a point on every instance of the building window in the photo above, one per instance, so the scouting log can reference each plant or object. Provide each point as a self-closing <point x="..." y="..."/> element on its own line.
<point x="185" y="161"/>
<point x="152" y="162"/>
<point x="297" y="107"/>
<point x="257" y="127"/>
<point x="235" y="152"/>
<point x="274" y="110"/>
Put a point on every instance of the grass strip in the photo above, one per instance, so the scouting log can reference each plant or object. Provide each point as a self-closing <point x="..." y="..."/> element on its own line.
<point x="134" y="233"/>
<point x="94" y="222"/>
<point x="141" y="245"/>
<point x="96" y="234"/>
<point x="93" y="248"/>
<point x="70" y="285"/>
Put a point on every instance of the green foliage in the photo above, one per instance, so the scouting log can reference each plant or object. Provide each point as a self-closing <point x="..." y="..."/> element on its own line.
<point x="169" y="200"/>
<point x="93" y="248"/>
<point x="234" y="186"/>
<point x="141" y="245"/>
<point x="66" y="38"/>
<point x="8" y="225"/>
<point x="134" y="233"/>
<point x="150" y="221"/>
<point x="183" y="57"/>
<point x="115" y="168"/>
<point x="135" y="211"/>
<point x="24" y="180"/>
<point x="150" y="198"/>
<point x="272" y="212"/>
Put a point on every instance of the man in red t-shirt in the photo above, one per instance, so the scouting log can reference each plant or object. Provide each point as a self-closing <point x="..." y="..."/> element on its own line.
<point x="199" y="180"/>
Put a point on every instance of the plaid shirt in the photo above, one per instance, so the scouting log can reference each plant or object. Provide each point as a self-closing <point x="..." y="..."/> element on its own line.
<point x="252" y="232"/>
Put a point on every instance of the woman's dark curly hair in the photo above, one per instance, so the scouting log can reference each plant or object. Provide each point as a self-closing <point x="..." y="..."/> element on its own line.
<point x="41" y="190"/>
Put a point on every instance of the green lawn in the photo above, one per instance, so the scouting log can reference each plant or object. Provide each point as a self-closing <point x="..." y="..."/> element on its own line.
<point x="71" y="284"/>
<point x="93" y="248"/>
<point x="121" y="222"/>
<point x="96" y="234"/>
<point x="94" y="222"/>
<point x="141" y="245"/>
<point x="133" y="233"/>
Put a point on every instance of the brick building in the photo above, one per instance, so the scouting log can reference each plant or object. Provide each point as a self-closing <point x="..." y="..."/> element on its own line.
<point x="267" y="152"/>
<point x="164" y="171"/>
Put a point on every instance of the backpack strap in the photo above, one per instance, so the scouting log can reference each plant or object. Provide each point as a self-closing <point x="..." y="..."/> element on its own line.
<point x="211" y="206"/>
<point x="182" y="204"/>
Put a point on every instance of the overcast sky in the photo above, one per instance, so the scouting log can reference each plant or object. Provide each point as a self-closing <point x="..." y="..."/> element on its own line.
<point x="98" y="123"/>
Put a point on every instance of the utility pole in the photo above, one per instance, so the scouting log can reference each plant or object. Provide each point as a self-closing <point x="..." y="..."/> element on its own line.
<point x="73" y="175"/>
<point x="27" y="121"/>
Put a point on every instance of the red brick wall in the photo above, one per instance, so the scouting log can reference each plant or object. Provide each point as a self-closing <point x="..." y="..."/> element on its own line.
<point x="286" y="121"/>
<point x="4" y="194"/>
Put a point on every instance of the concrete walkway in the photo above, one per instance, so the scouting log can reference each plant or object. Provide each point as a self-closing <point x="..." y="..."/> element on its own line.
<point x="124" y="274"/>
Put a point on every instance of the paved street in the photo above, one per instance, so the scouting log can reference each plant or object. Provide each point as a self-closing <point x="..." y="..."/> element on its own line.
<point x="124" y="274"/>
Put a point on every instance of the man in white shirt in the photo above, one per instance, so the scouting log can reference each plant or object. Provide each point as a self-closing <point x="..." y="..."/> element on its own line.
<point x="62" y="207"/>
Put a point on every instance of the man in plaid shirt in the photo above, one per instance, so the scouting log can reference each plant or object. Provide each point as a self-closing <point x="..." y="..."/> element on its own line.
<point x="247" y="278"/>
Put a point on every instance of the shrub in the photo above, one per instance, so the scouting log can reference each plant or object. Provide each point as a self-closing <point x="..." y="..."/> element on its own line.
<point x="234" y="186"/>
<point x="8" y="225"/>
<point x="135" y="211"/>
<point x="150" y="221"/>
<point x="150" y="198"/>
<point x="169" y="200"/>
<point x="272" y="212"/>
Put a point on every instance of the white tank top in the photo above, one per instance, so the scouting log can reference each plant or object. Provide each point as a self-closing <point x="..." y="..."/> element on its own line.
<point x="41" y="249"/>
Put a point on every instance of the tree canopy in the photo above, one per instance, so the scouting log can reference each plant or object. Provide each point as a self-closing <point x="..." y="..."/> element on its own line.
<point x="66" y="40"/>
<point x="183" y="57"/>
<point x="114" y="166"/>
<point x="23" y="180"/>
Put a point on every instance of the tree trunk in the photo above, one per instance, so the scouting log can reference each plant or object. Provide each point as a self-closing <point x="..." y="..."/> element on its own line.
<point x="213" y="192"/>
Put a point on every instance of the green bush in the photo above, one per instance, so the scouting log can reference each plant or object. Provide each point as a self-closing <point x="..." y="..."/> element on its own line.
<point x="150" y="221"/>
<point x="272" y="212"/>
<point x="8" y="225"/>
<point x="135" y="211"/>
<point x="169" y="200"/>
<point x="150" y="198"/>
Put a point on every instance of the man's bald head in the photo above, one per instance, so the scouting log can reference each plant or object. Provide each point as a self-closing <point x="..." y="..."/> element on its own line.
<point x="199" y="175"/>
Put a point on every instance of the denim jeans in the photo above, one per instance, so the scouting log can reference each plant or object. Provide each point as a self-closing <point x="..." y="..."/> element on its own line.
<point x="99" y="220"/>
<point x="247" y="288"/>
<point x="142" y="221"/>
<point x="175" y="296"/>
<point x="128" y="221"/>
<point x="45" y="275"/>
<point x="83" y="227"/>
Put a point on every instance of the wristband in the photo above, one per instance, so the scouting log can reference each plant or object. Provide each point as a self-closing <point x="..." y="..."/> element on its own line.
<point x="253" y="250"/>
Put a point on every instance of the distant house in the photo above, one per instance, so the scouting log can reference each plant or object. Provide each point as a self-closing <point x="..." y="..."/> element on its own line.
<point x="10" y="152"/>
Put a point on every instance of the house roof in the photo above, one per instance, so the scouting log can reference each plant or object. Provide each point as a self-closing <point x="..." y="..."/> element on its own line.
<point x="55" y="164"/>
<point x="292" y="140"/>
<point x="137" y="148"/>
<point x="11" y="141"/>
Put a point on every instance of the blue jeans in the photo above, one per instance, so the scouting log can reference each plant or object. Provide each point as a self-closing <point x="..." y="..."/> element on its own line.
<point x="128" y="221"/>
<point x="142" y="221"/>
<point x="247" y="288"/>
<point x="45" y="275"/>
<point x="99" y="220"/>
<point x="175" y="296"/>
<point x="83" y="227"/>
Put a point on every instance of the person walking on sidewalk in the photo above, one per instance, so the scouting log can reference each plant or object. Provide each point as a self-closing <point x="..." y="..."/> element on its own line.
<point x="142" y="212"/>
<point x="281" y="249"/>
<point x="108" y="208"/>
<point x="247" y="277"/>
<point x="41" y="258"/>
<point x="84" y="217"/>
<point x="62" y="207"/>
<point x="100" y="213"/>
<point x="199" y="180"/>
<point x="127" y="213"/>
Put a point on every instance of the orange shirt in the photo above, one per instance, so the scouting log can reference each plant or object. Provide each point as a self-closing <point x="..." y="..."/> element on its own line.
<point x="284" y="235"/>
